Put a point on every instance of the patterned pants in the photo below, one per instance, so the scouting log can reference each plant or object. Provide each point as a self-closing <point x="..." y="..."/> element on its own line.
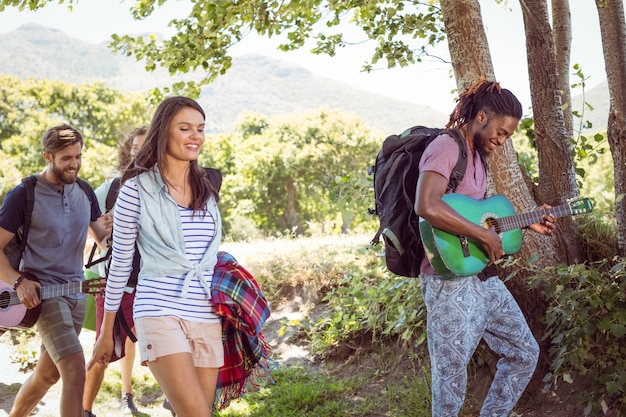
<point x="460" y="313"/>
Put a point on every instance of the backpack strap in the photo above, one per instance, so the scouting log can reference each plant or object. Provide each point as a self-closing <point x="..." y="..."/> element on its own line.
<point x="458" y="172"/>
<point x="29" y="185"/>
<point x="114" y="190"/>
<point x="84" y="185"/>
<point x="121" y="325"/>
<point x="109" y="202"/>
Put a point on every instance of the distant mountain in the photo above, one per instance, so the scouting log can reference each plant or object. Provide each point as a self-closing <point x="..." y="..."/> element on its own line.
<point x="254" y="82"/>
<point x="39" y="52"/>
<point x="262" y="84"/>
<point x="597" y="109"/>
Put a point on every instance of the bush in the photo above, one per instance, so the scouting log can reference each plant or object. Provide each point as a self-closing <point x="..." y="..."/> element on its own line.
<point x="599" y="236"/>
<point x="586" y="325"/>
<point x="586" y="319"/>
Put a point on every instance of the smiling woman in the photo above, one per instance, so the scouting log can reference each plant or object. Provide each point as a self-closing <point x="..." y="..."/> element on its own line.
<point x="167" y="209"/>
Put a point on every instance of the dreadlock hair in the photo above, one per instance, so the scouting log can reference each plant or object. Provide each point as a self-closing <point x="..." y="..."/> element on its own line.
<point x="484" y="95"/>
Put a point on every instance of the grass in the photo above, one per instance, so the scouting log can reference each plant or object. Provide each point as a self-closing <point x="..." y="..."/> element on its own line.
<point x="329" y="282"/>
<point x="296" y="393"/>
<point x="375" y="386"/>
<point x="355" y="391"/>
<point x="378" y="381"/>
<point x="342" y="298"/>
<point x="310" y="264"/>
<point x="374" y="381"/>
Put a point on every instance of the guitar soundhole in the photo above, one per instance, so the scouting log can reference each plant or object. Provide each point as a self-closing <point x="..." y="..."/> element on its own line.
<point x="491" y="222"/>
<point x="5" y="297"/>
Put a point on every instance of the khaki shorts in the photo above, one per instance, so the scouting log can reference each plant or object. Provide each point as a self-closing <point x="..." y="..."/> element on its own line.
<point x="59" y="324"/>
<point x="161" y="336"/>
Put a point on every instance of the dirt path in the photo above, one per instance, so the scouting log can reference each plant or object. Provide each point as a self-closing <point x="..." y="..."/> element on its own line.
<point x="11" y="378"/>
<point x="281" y="334"/>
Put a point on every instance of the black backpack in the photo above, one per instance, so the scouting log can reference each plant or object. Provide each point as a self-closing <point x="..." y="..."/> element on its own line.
<point x="15" y="248"/>
<point x="395" y="178"/>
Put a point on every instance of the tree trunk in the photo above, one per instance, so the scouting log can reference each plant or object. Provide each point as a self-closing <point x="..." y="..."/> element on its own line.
<point x="562" y="24"/>
<point x="613" y="32"/>
<point x="291" y="212"/>
<point x="467" y="42"/>
<point x="556" y="166"/>
<point x="471" y="60"/>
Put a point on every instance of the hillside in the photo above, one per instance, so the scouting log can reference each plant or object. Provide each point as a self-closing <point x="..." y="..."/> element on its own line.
<point x="597" y="109"/>
<point x="254" y="83"/>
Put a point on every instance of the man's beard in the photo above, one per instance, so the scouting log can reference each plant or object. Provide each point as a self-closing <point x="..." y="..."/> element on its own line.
<point x="62" y="176"/>
<point x="479" y="145"/>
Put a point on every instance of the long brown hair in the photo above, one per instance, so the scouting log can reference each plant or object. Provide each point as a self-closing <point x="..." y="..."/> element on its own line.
<point x="484" y="95"/>
<point x="154" y="149"/>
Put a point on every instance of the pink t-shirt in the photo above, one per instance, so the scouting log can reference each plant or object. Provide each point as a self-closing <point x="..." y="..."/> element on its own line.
<point x="441" y="157"/>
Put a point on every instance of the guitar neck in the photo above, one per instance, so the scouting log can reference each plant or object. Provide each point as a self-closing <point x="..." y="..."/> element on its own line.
<point x="519" y="221"/>
<point x="60" y="290"/>
<point x="51" y="291"/>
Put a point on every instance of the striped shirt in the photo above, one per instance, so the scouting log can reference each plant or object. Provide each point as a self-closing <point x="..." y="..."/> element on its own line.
<point x="160" y="295"/>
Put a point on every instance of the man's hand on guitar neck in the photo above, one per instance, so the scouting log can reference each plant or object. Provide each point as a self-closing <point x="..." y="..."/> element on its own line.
<point x="547" y="226"/>
<point x="492" y="242"/>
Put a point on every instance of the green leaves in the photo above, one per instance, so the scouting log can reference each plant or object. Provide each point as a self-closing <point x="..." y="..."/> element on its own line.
<point x="28" y="108"/>
<point x="30" y="4"/>
<point x="401" y="33"/>
<point x="385" y="306"/>
<point x="586" y="325"/>
<point x="295" y="172"/>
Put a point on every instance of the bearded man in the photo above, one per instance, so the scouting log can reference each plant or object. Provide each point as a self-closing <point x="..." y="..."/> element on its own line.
<point x="65" y="209"/>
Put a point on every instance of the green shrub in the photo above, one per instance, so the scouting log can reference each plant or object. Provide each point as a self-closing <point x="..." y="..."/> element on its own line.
<point x="348" y="275"/>
<point x="586" y="326"/>
<point x="383" y="305"/>
<point x="599" y="236"/>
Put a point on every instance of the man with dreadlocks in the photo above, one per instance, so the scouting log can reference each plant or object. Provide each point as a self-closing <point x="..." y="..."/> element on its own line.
<point x="463" y="310"/>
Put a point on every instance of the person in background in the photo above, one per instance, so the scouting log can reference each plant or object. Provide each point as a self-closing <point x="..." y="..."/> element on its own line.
<point x="63" y="213"/>
<point x="462" y="311"/>
<point x="167" y="206"/>
<point x="106" y="192"/>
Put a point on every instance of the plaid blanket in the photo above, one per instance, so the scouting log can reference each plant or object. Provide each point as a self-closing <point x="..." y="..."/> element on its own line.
<point x="238" y="299"/>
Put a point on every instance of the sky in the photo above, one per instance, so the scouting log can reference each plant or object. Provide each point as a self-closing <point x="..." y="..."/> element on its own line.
<point x="426" y="83"/>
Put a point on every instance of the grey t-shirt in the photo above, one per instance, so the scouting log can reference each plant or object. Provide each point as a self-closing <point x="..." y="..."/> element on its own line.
<point x="58" y="230"/>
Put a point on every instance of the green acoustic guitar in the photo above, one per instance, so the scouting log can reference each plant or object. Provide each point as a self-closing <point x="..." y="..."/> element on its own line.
<point x="452" y="255"/>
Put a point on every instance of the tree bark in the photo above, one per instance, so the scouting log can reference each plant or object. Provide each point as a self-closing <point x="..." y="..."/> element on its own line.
<point x="556" y="166"/>
<point x="613" y="32"/>
<point x="562" y="26"/>
<point x="290" y="215"/>
<point x="467" y="42"/>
